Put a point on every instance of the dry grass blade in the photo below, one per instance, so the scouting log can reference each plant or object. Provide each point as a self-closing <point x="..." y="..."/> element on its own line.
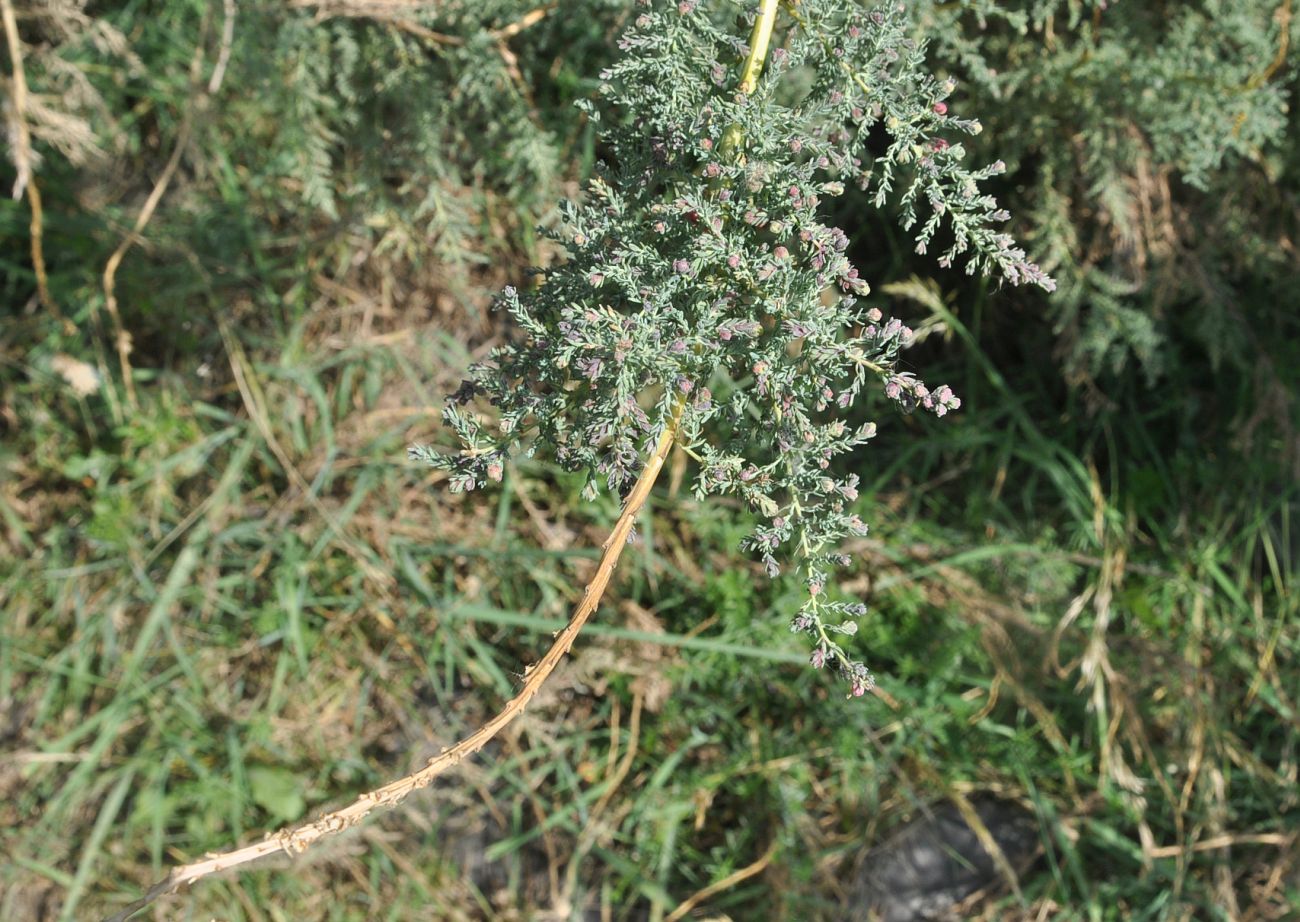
<point x="596" y="829"/>
<point x="726" y="883"/>
<point x="255" y="402"/>
<point x="1226" y="841"/>
<point x="227" y="42"/>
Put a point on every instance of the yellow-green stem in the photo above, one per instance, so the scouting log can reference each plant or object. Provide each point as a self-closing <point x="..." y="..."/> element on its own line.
<point x="760" y="38"/>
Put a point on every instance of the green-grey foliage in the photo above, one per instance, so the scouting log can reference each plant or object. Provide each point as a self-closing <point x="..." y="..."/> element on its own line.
<point x="332" y="137"/>
<point x="1144" y="137"/>
<point x="703" y="283"/>
<point x="182" y="622"/>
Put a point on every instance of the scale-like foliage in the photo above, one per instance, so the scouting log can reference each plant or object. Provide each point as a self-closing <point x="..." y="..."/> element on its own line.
<point x="1148" y="139"/>
<point x="337" y="132"/>
<point x="703" y="281"/>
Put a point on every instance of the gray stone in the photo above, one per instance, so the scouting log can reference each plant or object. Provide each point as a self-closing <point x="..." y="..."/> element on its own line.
<point x="933" y="863"/>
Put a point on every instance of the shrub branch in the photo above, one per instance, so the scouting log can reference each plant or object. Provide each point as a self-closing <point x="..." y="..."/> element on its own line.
<point x="296" y="840"/>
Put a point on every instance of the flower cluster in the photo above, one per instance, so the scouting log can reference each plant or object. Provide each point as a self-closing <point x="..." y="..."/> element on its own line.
<point x="701" y="277"/>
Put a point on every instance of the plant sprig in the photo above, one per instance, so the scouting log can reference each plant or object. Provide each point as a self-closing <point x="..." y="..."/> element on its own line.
<point x="700" y="270"/>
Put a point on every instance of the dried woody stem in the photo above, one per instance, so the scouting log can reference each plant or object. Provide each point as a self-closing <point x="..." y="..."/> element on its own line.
<point x="122" y="338"/>
<point x="26" y="180"/>
<point x="297" y="840"/>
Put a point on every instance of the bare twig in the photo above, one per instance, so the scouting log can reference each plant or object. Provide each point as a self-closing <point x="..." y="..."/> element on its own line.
<point x="396" y="15"/>
<point x="297" y="840"/>
<point x="142" y="219"/>
<point x="223" y="56"/>
<point x="121" y="338"/>
<point x="530" y="19"/>
<point x="419" y="31"/>
<point x="23" y="147"/>
<point x="26" y="179"/>
<point x="1282" y="16"/>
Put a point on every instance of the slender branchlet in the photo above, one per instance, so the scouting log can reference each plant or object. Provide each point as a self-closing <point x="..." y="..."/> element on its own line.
<point x="704" y="303"/>
<point x="700" y="267"/>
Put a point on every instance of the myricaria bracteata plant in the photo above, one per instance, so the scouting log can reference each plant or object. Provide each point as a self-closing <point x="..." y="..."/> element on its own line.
<point x="703" y="292"/>
<point x="705" y="304"/>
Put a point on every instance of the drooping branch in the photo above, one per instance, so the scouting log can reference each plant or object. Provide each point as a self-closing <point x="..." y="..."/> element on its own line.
<point x="296" y="840"/>
<point x="300" y="838"/>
